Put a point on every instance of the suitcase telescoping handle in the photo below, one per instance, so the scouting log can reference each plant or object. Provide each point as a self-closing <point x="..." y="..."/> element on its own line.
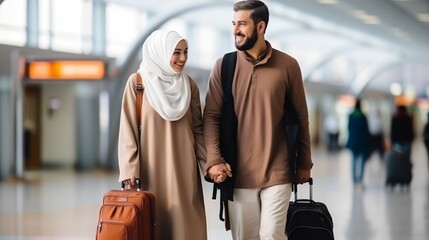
<point x="139" y="185"/>
<point x="295" y="189"/>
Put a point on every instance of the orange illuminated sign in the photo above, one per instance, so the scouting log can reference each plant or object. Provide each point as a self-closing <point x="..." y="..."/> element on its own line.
<point x="66" y="70"/>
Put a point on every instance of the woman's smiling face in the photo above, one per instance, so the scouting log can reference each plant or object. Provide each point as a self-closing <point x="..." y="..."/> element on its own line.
<point x="180" y="56"/>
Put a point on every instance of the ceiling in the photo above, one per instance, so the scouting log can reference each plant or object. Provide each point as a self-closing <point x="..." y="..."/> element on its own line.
<point x="383" y="33"/>
<point x="403" y="22"/>
<point x="396" y="21"/>
<point x="399" y="27"/>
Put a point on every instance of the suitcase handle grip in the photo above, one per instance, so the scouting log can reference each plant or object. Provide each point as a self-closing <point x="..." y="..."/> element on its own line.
<point x="295" y="189"/>
<point x="304" y="201"/>
<point x="139" y="185"/>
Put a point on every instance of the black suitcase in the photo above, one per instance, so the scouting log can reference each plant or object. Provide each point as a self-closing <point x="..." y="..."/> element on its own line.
<point x="398" y="165"/>
<point x="308" y="219"/>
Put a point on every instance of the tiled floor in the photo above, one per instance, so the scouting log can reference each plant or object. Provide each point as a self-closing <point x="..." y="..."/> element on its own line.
<point x="64" y="204"/>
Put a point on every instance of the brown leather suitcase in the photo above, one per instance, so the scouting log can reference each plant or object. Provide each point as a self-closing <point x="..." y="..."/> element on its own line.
<point x="127" y="214"/>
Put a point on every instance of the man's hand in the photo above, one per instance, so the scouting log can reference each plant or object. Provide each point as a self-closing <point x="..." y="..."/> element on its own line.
<point x="303" y="176"/>
<point x="219" y="172"/>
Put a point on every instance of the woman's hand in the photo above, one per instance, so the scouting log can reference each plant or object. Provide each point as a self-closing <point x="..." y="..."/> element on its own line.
<point x="131" y="181"/>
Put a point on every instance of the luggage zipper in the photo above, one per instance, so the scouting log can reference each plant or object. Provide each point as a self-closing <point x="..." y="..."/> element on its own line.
<point x="329" y="221"/>
<point x="125" y="204"/>
<point x="100" y="225"/>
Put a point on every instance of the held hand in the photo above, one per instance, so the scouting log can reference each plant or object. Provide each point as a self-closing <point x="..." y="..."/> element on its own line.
<point x="218" y="173"/>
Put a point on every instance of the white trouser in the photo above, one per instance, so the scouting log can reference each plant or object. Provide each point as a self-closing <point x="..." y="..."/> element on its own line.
<point x="260" y="214"/>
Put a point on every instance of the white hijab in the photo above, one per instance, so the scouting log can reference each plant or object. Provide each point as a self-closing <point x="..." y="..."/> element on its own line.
<point x="167" y="91"/>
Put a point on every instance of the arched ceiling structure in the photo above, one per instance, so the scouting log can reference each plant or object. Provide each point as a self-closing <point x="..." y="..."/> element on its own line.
<point x="360" y="44"/>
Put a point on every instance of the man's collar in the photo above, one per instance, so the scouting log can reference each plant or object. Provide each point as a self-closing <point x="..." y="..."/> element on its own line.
<point x="261" y="57"/>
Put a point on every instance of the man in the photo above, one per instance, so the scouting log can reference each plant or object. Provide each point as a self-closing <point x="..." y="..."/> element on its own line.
<point x="264" y="80"/>
<point x="359" y="142"/>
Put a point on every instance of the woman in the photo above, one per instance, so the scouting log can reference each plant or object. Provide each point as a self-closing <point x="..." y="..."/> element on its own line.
<point x="171" y="139"/>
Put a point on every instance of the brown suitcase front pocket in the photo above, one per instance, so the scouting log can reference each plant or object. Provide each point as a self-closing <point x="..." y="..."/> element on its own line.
<point x="118" y="221"/>
<point x="112" y="230"/>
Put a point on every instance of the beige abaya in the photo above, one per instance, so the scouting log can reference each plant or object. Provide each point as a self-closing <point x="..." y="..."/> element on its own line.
<point x="171" y="153"/>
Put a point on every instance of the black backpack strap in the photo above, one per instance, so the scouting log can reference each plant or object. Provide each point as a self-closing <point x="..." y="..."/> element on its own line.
<point x="228" y="135"/>
<point x="228" y="123"/>
<point x="227" y="74"/>
<point x="292" y="134"/>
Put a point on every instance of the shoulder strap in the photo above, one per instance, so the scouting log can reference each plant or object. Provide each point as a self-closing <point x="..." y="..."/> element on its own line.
<point x="227" y="73"/>
<point x="139" y="99"/>
<point x="292" y="129"/>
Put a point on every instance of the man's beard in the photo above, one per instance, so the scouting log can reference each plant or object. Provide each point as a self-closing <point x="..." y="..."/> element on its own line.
<point x="249" y="43"/>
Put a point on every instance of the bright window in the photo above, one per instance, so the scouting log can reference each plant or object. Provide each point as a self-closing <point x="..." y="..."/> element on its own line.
<point x="12" y="22"/>
<point x="64" y="25"/>
<point x="122" y="28"/>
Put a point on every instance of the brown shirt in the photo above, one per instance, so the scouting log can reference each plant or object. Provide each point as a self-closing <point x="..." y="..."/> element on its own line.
<point x="259" y="91"/>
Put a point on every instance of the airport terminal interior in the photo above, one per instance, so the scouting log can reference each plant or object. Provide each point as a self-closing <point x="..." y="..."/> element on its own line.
<point x="64" y="204"/>
<point x="59" y="129"/>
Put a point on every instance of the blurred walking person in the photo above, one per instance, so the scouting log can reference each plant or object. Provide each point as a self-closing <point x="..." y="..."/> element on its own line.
<point x="398" y="159"/>
<point x="402" y="127"/>
<point x="359" y="142"/>
<point x="376" y="131"/>
<point x="332" y="128"/>
<point x="426" y="136"/>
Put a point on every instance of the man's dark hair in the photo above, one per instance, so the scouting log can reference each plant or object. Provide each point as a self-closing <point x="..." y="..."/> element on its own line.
<point x="258" y="8"/>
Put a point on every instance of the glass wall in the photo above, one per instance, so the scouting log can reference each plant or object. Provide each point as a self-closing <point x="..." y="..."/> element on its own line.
<point x="12" y="22"/>
<point x="65" y="25"/>
<point x="123" y="26"/>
